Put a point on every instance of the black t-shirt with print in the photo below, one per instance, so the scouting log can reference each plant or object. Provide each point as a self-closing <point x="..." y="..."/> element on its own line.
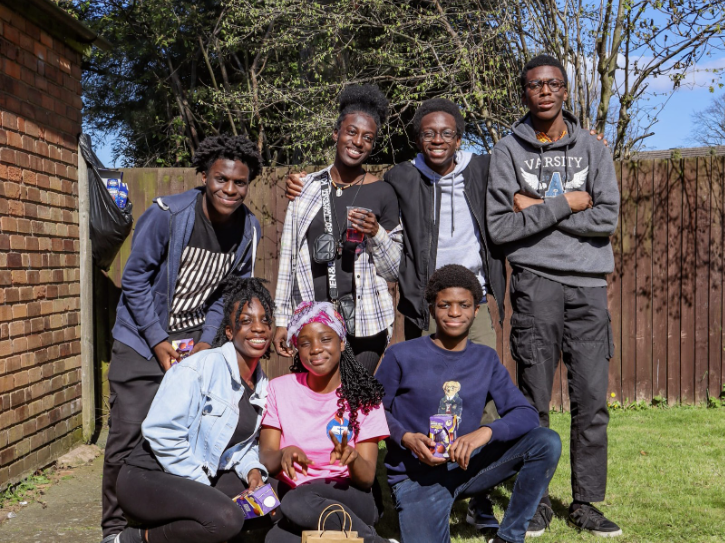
<point x="380" y="198"/>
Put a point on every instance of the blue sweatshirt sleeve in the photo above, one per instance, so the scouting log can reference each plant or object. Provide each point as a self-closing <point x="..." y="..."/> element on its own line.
<point x="518" y="416"/>
<point x="389" y="374"/>
<point x="148" y="251"/>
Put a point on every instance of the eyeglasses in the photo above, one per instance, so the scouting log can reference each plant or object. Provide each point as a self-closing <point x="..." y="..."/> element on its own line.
<point x="447" y="135"/>
<point x="537" y="85"/>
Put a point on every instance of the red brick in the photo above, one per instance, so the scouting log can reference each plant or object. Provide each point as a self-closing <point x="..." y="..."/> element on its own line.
<point x="40" y="51"/>
<point x="14" y="140"/>
<point x="7" y="155"/>
<point x="65" y="65"/>
<point x="22" y="159"/>
<point x="11" y="68"/>
<point x="9" y="120"/>
<point x="11" y="34"/>
<point x="27" y="76"/>
<point x="14" y="260"/>
<point x="15" y="207"/>
<point x="12" y="190"/>
<point x="45" y="39"/>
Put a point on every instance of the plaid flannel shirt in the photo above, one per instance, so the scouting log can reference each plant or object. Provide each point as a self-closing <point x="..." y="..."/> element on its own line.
<point x="377" y="260"/>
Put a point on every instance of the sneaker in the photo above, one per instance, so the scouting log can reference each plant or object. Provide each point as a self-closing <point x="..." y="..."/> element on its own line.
<point x="480" y="514"/>
<point x="587" y="517"/>
<point x="540" y="521"/>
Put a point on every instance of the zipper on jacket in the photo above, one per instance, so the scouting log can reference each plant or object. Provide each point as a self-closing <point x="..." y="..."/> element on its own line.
<point x="168" y="274"/>
<point x="426" y="314"/>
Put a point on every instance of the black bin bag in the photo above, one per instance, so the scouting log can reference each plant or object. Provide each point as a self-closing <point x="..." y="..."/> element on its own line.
<point x="109" y="225"/>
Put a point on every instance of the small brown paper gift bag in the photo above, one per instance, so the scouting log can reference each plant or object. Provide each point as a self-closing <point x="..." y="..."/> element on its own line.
<point x="321" y="535"/>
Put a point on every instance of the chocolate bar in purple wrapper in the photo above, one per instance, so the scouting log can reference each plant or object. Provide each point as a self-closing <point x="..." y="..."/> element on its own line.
<point x="183" y="348"/>
<point x="443" y="430"/>
<point x="257" y="503"/>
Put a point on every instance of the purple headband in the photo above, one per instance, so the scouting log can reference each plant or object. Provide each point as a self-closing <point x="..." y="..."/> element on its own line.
<point x="308" y="312"/>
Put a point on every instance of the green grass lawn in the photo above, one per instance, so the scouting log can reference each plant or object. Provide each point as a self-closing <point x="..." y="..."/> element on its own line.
<point x="666" y="480"/>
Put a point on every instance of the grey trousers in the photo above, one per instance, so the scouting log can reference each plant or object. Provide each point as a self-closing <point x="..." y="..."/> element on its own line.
<point x="550" y="318"/>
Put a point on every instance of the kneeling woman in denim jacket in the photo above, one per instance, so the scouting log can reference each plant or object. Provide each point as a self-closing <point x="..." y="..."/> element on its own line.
<point x="201" y="434"/>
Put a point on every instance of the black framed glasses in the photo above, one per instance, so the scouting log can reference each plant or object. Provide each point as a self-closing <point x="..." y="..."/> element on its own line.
<point x="537" y="85"/>
<point x="447" y="135"/>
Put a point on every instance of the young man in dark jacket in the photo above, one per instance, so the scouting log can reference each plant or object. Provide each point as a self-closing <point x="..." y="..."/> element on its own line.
<point x="183" y="248"/>
<point x="552" y="205"/>
<point x="441" y="194"/>
<point x="418" y="377"/>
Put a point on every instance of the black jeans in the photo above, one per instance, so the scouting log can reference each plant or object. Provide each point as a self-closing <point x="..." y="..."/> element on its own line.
<point x="550" y="318"/>
<point x="133" y="381"/>
<point x="179" y="510"/>
<point x="301" y="508"/>
<point x="369" y="349"/>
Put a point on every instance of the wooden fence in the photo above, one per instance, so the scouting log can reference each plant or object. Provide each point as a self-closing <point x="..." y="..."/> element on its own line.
<point x="665" y="296"/>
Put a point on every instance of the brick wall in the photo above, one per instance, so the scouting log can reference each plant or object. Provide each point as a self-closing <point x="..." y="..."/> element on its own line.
<point x="40" y="377"/>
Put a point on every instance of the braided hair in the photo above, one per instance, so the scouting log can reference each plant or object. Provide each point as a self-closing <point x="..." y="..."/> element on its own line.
<point x="365" y="99"/>
<point x="243" y="291"/>
<point x="239" y="148"/>
<point x="359" y="390"/>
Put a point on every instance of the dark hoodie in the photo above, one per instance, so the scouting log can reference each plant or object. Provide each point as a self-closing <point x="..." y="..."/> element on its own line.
<point x="548" y="239"/>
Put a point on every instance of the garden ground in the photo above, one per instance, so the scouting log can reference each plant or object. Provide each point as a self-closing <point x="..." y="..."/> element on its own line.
<point x="666" y="473"/>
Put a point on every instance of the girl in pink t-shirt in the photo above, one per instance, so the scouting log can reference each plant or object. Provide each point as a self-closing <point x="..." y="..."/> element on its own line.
<point x="321" y="429"/>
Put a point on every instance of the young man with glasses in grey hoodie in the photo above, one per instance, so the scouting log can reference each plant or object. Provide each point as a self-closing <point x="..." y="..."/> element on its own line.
<point x="552" y="205"/>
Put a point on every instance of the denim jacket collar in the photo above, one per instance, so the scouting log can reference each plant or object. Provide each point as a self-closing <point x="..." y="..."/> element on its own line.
<point x="260" y="379"/>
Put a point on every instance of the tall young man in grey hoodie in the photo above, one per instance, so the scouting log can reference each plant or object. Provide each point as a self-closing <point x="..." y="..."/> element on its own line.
<point x="552" y="204"/>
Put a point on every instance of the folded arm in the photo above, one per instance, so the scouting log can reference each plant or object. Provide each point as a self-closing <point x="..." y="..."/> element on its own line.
<point x="504" y="224"/>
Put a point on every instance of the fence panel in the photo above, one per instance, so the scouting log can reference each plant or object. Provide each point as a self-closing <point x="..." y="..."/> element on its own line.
<point x="666" y="295"/>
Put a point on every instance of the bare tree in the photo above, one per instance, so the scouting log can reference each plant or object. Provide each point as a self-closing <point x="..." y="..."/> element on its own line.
<point x="613" y="49"/>
<point x="710" y="124"/>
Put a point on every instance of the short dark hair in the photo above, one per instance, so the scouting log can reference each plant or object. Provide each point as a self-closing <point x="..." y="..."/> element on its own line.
<point x="367" y="99"/>
<point x="451" y="276"/>
<point x="434" y="105"/>
<point x="542" y="60"/>
<point x="239" y="148"/>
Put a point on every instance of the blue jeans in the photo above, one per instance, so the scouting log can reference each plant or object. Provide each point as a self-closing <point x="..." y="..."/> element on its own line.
<point x="424" y="503"/>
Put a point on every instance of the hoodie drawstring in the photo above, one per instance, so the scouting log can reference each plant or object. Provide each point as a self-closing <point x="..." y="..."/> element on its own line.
<point x="541" y="181"/>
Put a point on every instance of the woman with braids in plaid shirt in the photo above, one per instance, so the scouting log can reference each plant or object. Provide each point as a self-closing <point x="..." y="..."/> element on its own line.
<point x="362" y="266"/>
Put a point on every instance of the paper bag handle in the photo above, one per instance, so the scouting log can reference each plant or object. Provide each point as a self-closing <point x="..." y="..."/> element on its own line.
<point x="336" y="507"/>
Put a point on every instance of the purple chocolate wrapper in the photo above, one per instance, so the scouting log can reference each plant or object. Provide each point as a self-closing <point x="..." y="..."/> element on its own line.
<point x="443" y="430"/>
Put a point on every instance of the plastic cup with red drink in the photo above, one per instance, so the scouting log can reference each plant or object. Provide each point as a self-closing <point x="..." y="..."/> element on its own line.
<point x="354" y="235"/>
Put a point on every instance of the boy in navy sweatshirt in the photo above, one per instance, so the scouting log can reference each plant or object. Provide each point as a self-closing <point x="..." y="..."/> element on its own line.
<point x="183" y="247"/>
<point x="423" y="377"/>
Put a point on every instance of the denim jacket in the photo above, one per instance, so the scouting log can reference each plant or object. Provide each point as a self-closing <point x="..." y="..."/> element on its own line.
<point x="195" y="413"/>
